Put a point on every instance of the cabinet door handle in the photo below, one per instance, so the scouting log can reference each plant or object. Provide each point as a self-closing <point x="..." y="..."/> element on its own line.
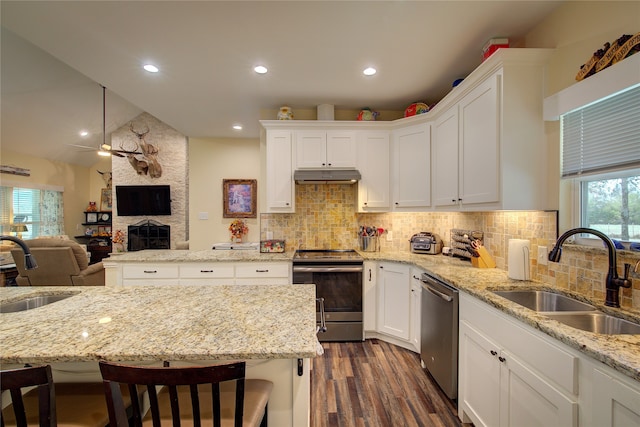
<point x="206" y="271"/>
<point x="502" y="359"/>
<point x="262" y="271"/>
<point x="369" y="274"/>
<point x="150" y="271"/>
<point x="494" y="353"/>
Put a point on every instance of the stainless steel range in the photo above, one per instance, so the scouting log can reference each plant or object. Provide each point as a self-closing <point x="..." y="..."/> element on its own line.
<point x="337" y="275"/>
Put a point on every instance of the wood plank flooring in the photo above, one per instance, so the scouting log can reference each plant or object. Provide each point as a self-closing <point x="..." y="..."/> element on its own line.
<point x="375" y="384"/>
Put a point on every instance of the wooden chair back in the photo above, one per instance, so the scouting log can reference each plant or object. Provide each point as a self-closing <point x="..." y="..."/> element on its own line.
<point x="15" y="380"/>
<point x="171" y="377"/>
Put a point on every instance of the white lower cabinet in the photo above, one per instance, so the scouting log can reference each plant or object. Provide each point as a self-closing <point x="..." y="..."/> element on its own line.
<point x="616" y="400"/>
<point x="207" y="273"/>
<point x="416" y="304"/>
<point x="510" y="376"/>
<point x="263" y="274"/>
<point x="394" y="314"/>
<point x="150" y="274"/>
<point x="369" y="295"/>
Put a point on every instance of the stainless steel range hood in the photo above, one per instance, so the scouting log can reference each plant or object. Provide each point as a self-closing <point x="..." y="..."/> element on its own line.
<point x="326" y="176"/>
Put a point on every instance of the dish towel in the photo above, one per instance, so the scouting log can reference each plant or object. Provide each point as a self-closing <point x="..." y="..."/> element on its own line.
<point x="319" y="349"/>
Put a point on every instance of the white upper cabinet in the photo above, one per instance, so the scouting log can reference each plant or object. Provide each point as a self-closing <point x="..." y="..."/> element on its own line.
<point x="411" y="167"/>
<point x="490" y="149"/>
<point x="482" y="147"/>
<point x="445" y="159"/>
<point x="478" y="144"/>
<point x="280" y="185"/>
<point x="325" y="149"/>
<point x="373" y="164"/>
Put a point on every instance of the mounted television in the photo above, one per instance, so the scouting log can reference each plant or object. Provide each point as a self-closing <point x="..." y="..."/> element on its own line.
<point x="143" y="200"/>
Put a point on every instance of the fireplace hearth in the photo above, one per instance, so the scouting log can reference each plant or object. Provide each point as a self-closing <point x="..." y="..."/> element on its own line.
<point x="148" y="235"/>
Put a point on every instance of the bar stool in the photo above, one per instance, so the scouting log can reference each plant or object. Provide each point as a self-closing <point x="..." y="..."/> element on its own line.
<point x="215" y="395"/>
<point x="49" y="404"/>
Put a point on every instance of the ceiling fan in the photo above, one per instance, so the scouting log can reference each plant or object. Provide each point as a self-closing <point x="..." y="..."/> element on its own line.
<point x="105" y="149"/>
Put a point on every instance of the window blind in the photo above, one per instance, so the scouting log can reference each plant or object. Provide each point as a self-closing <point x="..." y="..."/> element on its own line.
<point x="603" y="136"/>
<point x="40" y="209"/>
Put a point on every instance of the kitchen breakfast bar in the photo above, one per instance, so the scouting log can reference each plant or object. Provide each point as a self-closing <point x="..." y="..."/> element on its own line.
<point x="271" y="327"/>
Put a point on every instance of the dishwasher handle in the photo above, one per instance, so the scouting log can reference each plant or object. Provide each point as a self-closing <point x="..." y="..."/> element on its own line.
<point x="430" y="285"/>
<point x="447" y="298"/>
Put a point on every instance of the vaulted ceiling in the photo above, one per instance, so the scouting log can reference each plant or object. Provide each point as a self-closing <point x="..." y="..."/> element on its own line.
<point x="57" y="54"/>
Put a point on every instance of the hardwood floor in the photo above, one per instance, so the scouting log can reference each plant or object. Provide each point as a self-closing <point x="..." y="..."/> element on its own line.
<point x="377" y="384"/>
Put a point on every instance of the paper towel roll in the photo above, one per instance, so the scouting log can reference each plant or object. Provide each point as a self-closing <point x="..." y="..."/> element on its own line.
<point x="518" y="267"/>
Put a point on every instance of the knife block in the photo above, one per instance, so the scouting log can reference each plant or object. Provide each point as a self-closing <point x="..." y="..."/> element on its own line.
<point x="484" y="260"/>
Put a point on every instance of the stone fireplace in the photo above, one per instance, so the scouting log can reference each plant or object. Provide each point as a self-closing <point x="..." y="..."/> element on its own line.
<point x="173" y="158"/>
<point x="148" y="235"/>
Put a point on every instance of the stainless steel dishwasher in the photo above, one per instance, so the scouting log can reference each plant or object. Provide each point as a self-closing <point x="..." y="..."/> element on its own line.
<point x="439" y="333"/>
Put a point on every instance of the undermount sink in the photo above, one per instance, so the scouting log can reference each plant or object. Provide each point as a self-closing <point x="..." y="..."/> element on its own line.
<point x="544" y="301"/>
<point x="32" y="302"/>
<point x="570" y="312"/>
<point x="597" y="322"/>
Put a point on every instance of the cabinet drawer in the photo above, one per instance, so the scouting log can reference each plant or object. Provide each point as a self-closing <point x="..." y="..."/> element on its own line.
<point x="255" y="270"/>
<point x="150" y="271"/>
<point x="204" y="271"/>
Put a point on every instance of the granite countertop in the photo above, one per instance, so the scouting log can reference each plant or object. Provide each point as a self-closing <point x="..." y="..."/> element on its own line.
<point x="152" y="323"/>
<point x="248" y="255"/>
<point x="621" y="352"/>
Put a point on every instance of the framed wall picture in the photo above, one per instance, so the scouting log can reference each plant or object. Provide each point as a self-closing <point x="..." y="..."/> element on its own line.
<point x="105" y="200"/>
<point x="239" y="198"/>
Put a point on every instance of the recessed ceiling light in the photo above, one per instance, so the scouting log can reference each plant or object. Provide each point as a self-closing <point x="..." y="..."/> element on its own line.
<point x="260" y="69"/>
<point x="369" y="71"/>
<point x="237" y="127"/>
<point x="84" y="133"/>
<point x="151" y="68"/>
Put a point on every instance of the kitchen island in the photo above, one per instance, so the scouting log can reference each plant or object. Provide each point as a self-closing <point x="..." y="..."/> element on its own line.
<point x="272" y="327"/>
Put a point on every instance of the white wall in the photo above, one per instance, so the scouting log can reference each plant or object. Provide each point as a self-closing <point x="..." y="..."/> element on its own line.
<point x="210" y="161"/>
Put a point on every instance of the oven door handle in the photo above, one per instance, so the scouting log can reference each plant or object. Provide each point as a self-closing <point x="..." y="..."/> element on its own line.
<point x="325" y="269"/>
<point x="323" y="323"/>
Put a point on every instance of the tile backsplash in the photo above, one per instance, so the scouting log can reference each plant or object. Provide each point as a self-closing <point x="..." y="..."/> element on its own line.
<point x="326" y="217"/>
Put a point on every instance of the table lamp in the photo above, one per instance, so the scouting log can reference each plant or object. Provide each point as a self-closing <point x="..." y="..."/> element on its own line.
<point x="19" y="229"/>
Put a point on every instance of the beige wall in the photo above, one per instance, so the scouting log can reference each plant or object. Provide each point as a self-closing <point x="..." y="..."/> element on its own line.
<point x="576" y="30"/>
<point x="210" y="161"/>
<point x="75" y="180"/>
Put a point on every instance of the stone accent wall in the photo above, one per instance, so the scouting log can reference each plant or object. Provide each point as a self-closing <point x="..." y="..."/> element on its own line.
<point x="326" y="217"/>
<point x="172" y="156"/>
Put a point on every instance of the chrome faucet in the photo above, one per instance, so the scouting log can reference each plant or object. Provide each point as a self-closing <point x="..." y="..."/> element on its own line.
<point x="613" y="282"/>
<point x="29" y="261"/>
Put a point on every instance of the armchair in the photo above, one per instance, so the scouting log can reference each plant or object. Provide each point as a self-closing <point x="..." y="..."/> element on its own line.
<point x="60" y="263"/>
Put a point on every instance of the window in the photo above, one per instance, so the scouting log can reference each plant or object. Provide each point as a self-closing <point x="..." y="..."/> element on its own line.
<point x="612" y="205"/>
<point x="41" y="210"/>
<point x="601" y="153"/>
